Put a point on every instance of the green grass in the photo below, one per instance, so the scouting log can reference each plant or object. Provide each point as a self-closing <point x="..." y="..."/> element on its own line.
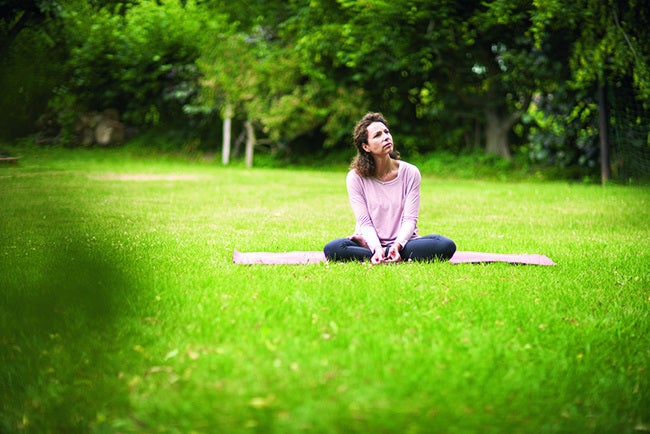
<point x="121" y="310"/>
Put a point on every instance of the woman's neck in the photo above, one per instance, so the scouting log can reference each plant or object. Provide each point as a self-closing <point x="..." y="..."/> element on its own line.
<point x="384" y="168"/>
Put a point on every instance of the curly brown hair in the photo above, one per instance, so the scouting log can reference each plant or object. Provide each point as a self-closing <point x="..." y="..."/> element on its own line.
<point x="363" y="163"/>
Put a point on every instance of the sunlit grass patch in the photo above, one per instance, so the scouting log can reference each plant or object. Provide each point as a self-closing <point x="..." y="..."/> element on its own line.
<point x="123" y="312"/>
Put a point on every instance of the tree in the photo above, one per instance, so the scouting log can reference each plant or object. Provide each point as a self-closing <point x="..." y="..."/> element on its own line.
<point x="451" y="74"/>
<point x="17" y="15"/>
<point x="613" y="41"/>
<point x="609" y="47"/>
<point x="30" y="62"/>
<point x="228" y="77"/>
<point x="435" y="66"/>
<point x="138" y="60"/>
<point x="257" y="69"/>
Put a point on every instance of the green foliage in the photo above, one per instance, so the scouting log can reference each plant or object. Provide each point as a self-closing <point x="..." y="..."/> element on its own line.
<point x="453" y="75"/>
<point x="611" y="39"/>
<point x="121" y="309"/>
<point x="30" y="64"/>
<point x="438" y="68"/>
<point x="27" y="76"/>
<point x="140" y="62"/>
<point x="563" y="131"/>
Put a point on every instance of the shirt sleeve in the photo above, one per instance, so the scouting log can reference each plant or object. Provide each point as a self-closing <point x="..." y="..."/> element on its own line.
<point x="358" y="201"/>
<point x="411" y="206"/>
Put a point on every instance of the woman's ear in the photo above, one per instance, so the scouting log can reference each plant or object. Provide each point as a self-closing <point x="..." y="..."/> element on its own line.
<point x="365" y="147"/>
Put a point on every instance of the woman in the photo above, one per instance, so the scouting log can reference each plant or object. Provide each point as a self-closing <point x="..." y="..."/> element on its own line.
<point x="385" y="196"/>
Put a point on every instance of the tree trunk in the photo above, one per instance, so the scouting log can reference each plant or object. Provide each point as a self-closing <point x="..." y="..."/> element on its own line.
<point x="227" y="121"/>
<point x="605" y="172"/>
<point x="250" y="142"/>
<point x="496" y="133"/>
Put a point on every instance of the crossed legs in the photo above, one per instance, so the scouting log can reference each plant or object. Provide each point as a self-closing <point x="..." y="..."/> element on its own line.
<point x="426" y="248"/>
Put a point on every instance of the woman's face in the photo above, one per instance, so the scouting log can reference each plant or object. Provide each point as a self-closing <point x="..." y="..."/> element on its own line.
<point x="380" y="142"/>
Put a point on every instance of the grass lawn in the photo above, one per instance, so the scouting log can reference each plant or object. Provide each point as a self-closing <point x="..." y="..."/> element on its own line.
<point x="121" y="310"/>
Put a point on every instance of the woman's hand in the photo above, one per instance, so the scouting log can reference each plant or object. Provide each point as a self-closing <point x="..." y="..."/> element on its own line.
<point x="393" y="253"/>
<point x="378" y="257"/>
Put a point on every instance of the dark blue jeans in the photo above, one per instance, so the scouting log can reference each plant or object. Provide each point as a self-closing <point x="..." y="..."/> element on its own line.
<point x="426" y="248"/>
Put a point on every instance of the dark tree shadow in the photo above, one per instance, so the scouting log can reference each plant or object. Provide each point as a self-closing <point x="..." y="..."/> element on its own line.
<point x="64" y="306"/>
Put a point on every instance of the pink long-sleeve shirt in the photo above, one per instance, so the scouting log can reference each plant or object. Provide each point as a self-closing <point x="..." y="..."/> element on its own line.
<point x="386" y="212"/>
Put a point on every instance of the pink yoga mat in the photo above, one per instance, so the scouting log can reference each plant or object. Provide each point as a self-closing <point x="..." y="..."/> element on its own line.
<point x="478" y="257"/>
<point x="314" y="257"/>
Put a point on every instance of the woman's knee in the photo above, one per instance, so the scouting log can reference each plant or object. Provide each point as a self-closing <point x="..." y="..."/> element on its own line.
<point x="448" y="247"/>
<point x="334" y="247"/>
<point x="330" y="248"/>
<point x="431" y="247"/>
<point x="445" y="247"/>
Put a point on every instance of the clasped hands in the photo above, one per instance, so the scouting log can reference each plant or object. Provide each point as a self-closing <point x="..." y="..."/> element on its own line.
<point x="380" y="256"/>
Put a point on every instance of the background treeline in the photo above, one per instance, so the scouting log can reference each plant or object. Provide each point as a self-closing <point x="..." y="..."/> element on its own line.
<point x="516" y="78"/>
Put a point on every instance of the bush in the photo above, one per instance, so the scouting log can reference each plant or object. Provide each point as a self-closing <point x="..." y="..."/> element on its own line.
<point x="140" y="62"/>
